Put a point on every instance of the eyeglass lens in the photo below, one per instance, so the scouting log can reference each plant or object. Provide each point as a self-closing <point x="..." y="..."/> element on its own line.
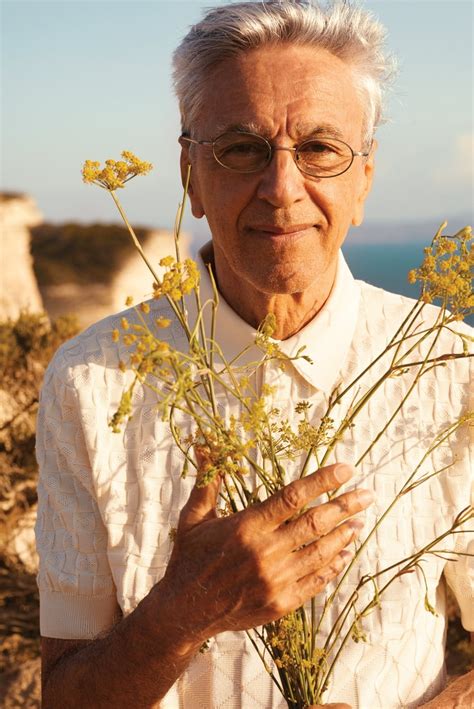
<point x="319" y="157"/>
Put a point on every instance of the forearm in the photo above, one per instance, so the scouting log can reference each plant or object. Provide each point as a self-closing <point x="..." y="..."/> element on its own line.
<point x="458" y="695"/>
<point x="134" y="665"/>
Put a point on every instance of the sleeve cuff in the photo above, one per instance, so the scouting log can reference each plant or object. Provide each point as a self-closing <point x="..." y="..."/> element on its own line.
<point x="76" y="617"/>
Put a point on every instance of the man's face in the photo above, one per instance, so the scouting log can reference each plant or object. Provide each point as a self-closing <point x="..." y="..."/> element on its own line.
<point x="278" y="230"/>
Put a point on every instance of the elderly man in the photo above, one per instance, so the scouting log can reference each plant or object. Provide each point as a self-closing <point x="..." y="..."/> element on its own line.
<point x="279" y="104"/>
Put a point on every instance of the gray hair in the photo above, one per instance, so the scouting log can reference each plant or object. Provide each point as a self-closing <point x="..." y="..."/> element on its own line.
<point x="348" y="32"/>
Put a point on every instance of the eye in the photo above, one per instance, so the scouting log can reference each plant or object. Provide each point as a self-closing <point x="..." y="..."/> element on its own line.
<point x="240" y="145"/>
<point x="241" y="152"/>
<point x="325" y="156"/>
<point x="249" y="148"/>
<point x="317" y="147"/>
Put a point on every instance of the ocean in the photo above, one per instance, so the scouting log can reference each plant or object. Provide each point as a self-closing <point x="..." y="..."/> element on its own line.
<point x="387" y="266"/>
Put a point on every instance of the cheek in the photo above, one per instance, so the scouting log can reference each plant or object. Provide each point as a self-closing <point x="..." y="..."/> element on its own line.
<point x="334" y="198"/>
<point x="224" y="202"/>
<point x="341" y="197"/>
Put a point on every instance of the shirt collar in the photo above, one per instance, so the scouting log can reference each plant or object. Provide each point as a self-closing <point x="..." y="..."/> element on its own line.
<point x="326" y="338"/>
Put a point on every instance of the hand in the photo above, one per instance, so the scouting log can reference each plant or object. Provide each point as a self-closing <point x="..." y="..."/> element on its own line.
<point x="459" y="694"/>
<point x="247" y="569"/>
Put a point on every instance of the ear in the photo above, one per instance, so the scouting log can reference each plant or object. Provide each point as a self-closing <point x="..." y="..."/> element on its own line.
<point x="193" y="193"/>
<point x="367" y="179"/>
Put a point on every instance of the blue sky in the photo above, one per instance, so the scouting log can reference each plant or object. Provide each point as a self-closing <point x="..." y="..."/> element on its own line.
<point x="89" y="78"/>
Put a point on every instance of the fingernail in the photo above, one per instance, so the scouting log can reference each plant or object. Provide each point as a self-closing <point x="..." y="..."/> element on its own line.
<point x="343" y="472"/>
<point x="356" y="523"/>
<point x="366" y="497"/>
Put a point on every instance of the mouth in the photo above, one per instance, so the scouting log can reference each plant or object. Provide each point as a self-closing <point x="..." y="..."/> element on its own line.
<point x="292" y="231"/>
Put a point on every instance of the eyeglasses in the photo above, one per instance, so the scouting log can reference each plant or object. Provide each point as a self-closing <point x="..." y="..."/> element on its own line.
<point x="248" y="152"/>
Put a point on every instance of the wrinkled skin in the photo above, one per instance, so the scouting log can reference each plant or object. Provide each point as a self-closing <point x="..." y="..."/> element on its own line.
<point x="239" y="572"/>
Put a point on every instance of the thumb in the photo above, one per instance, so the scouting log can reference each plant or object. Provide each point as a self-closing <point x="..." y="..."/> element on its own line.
<point x="202" y="502"/>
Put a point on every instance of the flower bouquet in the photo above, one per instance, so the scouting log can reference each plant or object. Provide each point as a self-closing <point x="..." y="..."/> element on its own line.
<point x="249" y="449"/>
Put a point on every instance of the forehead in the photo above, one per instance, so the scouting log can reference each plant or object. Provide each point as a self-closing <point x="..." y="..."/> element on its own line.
<point x="282" y="90"/>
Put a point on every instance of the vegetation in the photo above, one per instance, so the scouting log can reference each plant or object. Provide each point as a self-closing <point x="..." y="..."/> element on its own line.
<point x="26" y="346"/>
<point x="79" y="253"/>
<point x="8" y="196"/>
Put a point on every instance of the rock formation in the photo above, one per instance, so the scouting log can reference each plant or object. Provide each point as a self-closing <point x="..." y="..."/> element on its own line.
<point x="18" y="288"/>
<point x="97" y="300"/>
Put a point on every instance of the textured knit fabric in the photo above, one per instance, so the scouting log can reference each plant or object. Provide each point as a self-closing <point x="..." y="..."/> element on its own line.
<point x="107" y="501"/>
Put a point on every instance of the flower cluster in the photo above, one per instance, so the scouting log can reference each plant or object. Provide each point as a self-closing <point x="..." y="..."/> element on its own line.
<point x="285" y="636"/>
<point x="223" y="451"/>
<point x="148" y="355"/>
<point x="116" y="172"/>
<point x="180" y="278"/>
<point x="447" y="272"/>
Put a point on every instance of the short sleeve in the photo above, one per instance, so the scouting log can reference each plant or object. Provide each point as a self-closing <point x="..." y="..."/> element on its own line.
<point x="77" y="593"/>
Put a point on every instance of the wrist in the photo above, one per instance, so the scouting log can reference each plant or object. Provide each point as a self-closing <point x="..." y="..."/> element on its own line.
<point x="179" y="632"/>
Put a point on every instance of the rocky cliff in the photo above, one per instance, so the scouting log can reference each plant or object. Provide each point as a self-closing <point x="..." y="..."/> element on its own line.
<point x="18" y="288"/>
<point x="94" y="295"/>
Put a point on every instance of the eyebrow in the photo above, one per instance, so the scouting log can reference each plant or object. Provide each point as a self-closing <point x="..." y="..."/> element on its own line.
<point x="326" y="129"/>
<point x="245" y="127"/>
<point x="302" y="130"/>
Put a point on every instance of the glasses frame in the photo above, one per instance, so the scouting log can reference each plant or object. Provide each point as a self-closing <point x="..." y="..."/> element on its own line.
<point x="272" y="148"/>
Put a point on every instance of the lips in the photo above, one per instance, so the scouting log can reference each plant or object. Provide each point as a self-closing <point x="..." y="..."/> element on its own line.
<point x="288" y="230"/>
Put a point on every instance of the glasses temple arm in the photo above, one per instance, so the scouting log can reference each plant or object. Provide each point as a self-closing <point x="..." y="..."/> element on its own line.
<point x="197" y="142"/>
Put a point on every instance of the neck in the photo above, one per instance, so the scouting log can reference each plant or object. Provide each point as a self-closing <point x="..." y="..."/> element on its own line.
<point x="292" y="310"/>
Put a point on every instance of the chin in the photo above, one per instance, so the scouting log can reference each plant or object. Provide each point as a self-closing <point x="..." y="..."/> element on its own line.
<point x="274" y="283"/>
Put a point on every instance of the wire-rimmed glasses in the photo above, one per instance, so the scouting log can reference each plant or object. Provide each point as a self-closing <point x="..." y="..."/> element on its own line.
<point x="248" y="152"/>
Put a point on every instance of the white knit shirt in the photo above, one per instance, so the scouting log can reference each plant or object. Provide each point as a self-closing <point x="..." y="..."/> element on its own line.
<point x="107" y="501"/>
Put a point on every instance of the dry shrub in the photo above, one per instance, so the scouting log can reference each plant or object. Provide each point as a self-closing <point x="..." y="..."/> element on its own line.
<point x="26" y="347"/>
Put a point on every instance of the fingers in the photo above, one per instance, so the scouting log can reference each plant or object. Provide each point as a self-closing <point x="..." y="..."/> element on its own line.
<point x="313" y="583"/>
<point x="297" y="593"/>
<point x="293" y="497"/>
<point x="202" y="501"/>
<point x="319" y="521"/>
<point x="320" y="554"/>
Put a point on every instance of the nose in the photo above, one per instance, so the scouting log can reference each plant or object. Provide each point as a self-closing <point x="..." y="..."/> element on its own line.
<point x="281" y="183"/>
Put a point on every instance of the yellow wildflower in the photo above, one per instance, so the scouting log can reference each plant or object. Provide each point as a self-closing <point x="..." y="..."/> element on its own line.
<point x="188" y="285"/>
<point x="124" y="323"/>
<point x="447" y="275"/>
<point x="115" y="335"/>
<point x="116" y="172"/>
<point x="144" y="307"/>
<point x="268" y="325"/>
<point x="192" y="271"/>
<point x="90" y="170"/>
<point x="162" y="322"/>
<point x="122" y="169"/>
<point x="108" y="179"/>
<point x="167" y="261"/>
